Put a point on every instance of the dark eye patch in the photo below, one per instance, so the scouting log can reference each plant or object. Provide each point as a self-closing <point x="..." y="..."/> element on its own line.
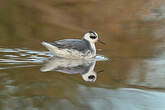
<point x="91" y="77"/>
<point x="93" y="37"/>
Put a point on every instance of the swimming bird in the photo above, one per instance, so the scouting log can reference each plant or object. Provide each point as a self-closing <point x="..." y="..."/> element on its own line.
<point x="75" y="48"/>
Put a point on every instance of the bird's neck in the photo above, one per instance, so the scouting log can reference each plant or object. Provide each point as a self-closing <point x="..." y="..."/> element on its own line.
<point x="93" y="47"/>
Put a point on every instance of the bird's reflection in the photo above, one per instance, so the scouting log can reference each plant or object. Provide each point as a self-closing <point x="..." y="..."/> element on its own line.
<point x="84" y="67"/>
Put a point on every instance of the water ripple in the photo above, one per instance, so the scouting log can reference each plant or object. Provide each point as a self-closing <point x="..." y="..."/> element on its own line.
<point x="18" y="58"/>
<point x="15" y="58"/>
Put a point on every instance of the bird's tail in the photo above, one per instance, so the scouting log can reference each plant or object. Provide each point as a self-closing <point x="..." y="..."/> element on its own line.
<point x="50" y="47"/>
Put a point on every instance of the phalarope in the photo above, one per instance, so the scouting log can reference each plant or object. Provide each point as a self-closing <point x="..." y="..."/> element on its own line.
<point x="75" y="48"/>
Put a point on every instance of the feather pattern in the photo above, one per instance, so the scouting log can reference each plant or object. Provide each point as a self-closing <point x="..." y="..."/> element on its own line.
<point x="75" y="44"/>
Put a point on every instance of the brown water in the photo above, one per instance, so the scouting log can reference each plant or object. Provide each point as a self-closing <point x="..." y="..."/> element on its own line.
<point x="133" y="78"/>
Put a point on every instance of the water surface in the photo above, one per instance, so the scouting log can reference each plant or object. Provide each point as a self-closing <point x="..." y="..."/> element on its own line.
<point x="133" y="78"/>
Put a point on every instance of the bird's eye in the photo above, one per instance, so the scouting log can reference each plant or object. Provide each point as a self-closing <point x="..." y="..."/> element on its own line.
<point x="91" y="77"/>
<point x="93" y="37"/>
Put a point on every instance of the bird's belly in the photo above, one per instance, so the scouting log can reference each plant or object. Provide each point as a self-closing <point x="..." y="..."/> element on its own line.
<point x="73" y="54"/>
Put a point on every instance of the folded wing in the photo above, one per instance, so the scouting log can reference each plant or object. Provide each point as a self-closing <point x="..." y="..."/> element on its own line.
<point x="76" y="44"/>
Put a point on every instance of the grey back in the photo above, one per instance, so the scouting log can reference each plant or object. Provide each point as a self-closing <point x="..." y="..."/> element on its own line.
<point x="76" y="44"/>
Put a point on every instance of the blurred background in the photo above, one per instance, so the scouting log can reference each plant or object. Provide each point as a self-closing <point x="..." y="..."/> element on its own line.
<point x="133" y="78"/>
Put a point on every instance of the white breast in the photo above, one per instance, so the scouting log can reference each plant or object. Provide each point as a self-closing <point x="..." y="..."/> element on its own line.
<point x="93" y="48"/>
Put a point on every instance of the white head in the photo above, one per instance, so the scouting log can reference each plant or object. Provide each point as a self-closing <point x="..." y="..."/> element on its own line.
<point x="91" y="36"/>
